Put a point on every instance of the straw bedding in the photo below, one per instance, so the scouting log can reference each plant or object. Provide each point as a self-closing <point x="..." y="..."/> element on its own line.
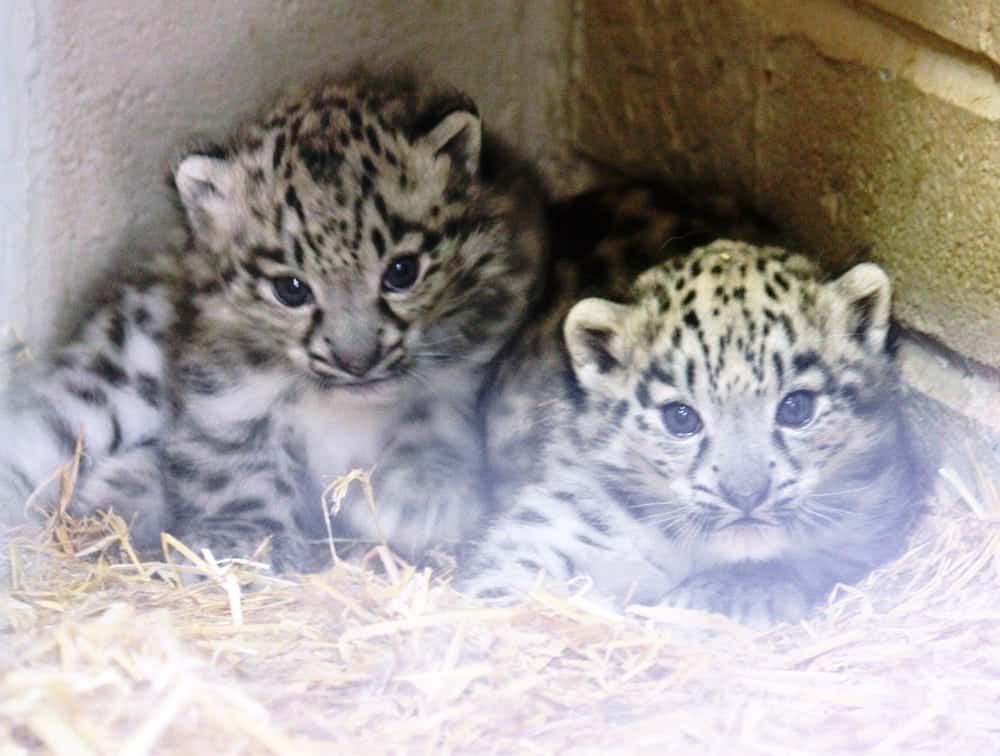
<point x="103" y="653"/>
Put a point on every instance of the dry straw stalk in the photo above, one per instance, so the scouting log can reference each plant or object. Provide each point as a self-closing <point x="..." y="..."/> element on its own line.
<point x="102" y="652"/>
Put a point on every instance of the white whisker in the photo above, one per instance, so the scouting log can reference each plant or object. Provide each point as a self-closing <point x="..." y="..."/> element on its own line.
<point x="844" y="491"/>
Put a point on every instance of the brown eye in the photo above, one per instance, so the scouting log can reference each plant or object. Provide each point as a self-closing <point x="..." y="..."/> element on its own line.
<point x="796" y="410"/>
<point x="291" y="291"/>
<point x="681" y="420"/>
<point x="402" y="273"/>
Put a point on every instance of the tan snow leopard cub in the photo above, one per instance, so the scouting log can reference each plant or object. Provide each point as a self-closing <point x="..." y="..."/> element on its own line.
<point x="358" y="256"/>
<point x="728" y="438"/>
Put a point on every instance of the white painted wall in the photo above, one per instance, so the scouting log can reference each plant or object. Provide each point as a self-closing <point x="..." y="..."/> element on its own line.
<point x="95" y="95"/>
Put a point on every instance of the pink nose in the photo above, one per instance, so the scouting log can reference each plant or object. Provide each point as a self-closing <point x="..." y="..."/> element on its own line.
<point x="356" y="364"/>
<point x="746" y="500"/>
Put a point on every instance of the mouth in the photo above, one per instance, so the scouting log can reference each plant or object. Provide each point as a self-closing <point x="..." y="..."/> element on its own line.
<point x="341" y="382"/>
<point x="356" y="386"/>
<point x="326" y="372"/>
<point x="747" y="521"/>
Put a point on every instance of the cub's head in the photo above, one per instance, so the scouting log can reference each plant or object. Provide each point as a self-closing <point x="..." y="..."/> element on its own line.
<point x="740" y="404"/>
<point x="364" y="232"/>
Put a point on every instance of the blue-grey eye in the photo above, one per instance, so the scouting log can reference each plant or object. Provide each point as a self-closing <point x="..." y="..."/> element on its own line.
<point x="402" y="273"/>
<point x="681" y="419"/>
<point x="291" y="291"/>
<point x="796" y="410"/>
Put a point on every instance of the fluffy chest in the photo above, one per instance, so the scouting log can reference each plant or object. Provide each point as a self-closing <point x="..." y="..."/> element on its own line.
<point x="339" y="433"/>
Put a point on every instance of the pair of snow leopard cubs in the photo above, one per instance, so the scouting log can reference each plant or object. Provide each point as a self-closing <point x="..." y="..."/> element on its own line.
<point x="369" y="283"/>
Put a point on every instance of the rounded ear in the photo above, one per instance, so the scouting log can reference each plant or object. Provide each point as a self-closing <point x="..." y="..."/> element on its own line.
<point x="594" y="339"/>
<point x="205" y="187"/>
<point x="866" y="294"/>
<point x="458" y="135"/>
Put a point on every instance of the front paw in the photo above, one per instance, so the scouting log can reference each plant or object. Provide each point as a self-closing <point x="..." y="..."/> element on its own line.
<point x="487" y="591"/>
<point x="278" y="553"/>
<point x="751" y="598"/>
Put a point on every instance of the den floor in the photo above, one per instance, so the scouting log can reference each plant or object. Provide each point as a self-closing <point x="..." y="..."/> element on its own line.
<point x="101" y="653"/>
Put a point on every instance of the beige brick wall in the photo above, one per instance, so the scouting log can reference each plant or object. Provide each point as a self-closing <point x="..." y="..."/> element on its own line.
<point x="971" y="24"/>
<point x="867" y="129"/>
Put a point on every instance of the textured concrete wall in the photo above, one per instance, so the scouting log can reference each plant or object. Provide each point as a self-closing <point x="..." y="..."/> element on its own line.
<point x="866" y="129"/>
<point x="972" y="24"/>
<point x="94" y="96"/>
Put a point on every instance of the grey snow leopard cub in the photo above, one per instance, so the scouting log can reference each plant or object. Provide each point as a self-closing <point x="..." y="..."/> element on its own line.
<point x="727" y="436"/>
<point x="357" y="258"/>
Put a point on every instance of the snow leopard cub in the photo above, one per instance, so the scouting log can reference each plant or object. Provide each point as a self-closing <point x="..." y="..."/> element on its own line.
<point x="729" y="438"/>
<point x="357" y="258"/>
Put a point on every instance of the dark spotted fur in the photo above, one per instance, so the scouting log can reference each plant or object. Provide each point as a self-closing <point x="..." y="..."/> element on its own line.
<point x="743" y="514"/>
<point x="287" y="357"/>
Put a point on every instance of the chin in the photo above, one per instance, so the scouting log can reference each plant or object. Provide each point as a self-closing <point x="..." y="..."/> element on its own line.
<point x="747" y="543"/>
<point x="382" y="391"/>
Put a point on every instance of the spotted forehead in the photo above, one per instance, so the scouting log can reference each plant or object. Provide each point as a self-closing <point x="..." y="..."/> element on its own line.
<point x="338" y="141"/>
<point x="731" y="317"/>
<point x="740" y="283"/>
<point x="327" y="180"/>
<point x="338" y="113"/>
